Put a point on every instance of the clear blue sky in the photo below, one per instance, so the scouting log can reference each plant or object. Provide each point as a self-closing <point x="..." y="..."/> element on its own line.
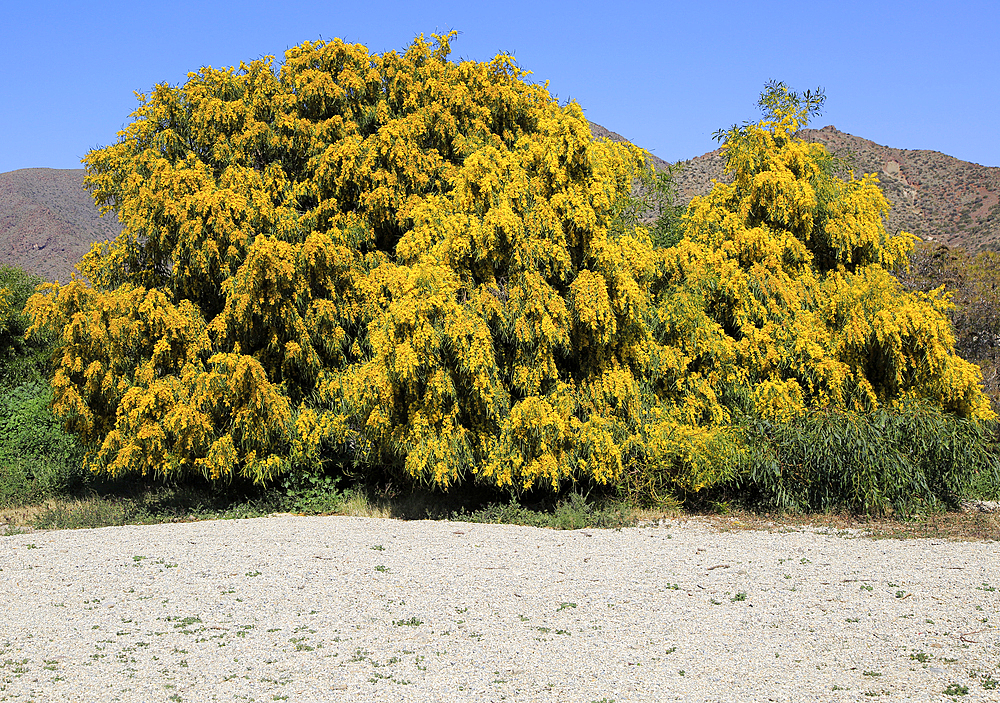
<point x="912" y="75"/>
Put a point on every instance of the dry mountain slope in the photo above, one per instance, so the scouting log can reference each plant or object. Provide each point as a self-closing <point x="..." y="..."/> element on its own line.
<point x="48" y="221"/>
<point x="934" y="196"/>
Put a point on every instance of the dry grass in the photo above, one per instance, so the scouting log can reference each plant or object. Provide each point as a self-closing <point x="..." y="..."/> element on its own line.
<point x="22" y="518"/>
<point x="973" y="524"/>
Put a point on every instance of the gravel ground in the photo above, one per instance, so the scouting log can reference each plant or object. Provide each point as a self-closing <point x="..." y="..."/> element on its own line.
<point x="358" y="609"/>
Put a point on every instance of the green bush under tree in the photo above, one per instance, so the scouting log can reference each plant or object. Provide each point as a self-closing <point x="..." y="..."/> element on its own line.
<point x="38" y="458"/>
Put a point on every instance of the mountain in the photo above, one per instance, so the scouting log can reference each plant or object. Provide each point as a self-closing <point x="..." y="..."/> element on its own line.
<point x="48" y="221"/>
<point x="934" y="196"/>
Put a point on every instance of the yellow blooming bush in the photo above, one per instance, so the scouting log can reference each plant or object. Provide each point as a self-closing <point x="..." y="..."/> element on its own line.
<point x="781" y="289"/>
<point x="396" y="258"/>
<point x="975" y="282"/>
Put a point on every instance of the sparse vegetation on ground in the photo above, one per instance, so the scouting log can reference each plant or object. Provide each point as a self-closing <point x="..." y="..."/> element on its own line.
<point x="131" y="504"/>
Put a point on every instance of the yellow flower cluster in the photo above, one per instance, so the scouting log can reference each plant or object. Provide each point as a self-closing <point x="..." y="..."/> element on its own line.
<point x="5" y="308"/>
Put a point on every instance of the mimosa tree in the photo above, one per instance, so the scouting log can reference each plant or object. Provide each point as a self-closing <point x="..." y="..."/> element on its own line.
<point x="396" y="258"/>
<point x="778" y="302"/>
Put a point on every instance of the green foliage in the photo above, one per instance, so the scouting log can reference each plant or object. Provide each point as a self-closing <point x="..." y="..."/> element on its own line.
<point x="16" y="486"/>
<point x="901" y="460"/>
<point x="37" y="457"/>
<point x="21" y="360"/>
<point x="311" y="492"/>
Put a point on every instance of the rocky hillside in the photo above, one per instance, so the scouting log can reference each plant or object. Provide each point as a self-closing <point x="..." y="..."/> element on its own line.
<point x="934" y="196"/>
<point x="48" y="221"/>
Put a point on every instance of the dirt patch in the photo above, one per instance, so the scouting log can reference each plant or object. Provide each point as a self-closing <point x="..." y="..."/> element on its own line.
<point x="978" y="521"/>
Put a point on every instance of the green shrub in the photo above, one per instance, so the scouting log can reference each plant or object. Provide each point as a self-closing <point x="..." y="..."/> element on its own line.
<point x="899" y="460"/>
<point x="20" y="360"/>
<point x="37" y="457"/>
<point x="16" y="485"/>
<point x="308" y="491"/>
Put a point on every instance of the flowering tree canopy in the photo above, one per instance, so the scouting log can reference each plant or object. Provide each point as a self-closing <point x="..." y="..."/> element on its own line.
<point x="785" y="274"/>
<point x="410" y="257"/>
